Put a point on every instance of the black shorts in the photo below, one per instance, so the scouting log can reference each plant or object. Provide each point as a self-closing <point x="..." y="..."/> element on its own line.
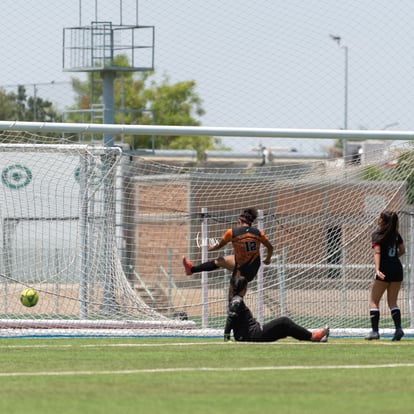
<point x="392" y="269"/>
<point x="249" y="270"/>
<point x="394" y="278"/>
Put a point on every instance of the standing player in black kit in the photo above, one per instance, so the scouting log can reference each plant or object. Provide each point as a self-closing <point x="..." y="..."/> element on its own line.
<point x="388" y="246"/>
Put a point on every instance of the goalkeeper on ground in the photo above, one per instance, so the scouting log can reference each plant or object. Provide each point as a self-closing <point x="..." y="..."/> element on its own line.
<point x="245" y="328"/>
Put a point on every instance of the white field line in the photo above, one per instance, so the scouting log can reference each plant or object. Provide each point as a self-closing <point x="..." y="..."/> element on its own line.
<point x="201" y="369"/>
<point x="190" y="369"/>
<point x="218" y="343"/>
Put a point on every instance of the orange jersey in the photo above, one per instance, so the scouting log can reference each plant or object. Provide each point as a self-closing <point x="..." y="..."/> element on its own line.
<point x="246" y="243"/>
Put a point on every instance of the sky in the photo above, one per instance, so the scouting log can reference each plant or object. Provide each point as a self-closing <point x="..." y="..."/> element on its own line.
<point x="262" y="63"/>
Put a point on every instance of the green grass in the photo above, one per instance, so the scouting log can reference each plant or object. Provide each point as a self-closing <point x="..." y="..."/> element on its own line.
<point x="165" y="375"/>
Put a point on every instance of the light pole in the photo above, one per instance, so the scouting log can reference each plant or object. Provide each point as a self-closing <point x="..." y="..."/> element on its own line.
<point x="346" y="88"/>
<point x="337" y="39"/>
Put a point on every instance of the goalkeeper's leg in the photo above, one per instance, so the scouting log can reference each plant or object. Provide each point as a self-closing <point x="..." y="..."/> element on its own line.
<point x="283" y="327"/>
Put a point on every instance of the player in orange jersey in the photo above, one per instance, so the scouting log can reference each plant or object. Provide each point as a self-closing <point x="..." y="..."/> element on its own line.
<point x="246" y="241"/>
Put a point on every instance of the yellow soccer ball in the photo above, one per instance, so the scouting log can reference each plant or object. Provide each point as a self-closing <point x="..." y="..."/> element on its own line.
<point x="29" y="297"/>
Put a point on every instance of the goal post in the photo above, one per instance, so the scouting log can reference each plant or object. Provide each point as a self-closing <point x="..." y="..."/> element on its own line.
<point x="100" y="231"/>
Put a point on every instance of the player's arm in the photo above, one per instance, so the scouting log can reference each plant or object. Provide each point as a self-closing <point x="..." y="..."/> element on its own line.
<point x="229" y="324"/>
<point x="233" y="313"/>
<point x="227" y="328"/>
<point x="401" y="246"/>
<point x="222" y="242"/>
<point x="269" y="248"/>
<point x="377" y="260"/>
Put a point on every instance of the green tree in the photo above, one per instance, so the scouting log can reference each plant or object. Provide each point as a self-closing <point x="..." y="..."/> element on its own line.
<point x="140" y="99"/>
<point x="404" y="171"/>
<point x="21" y="107"/>
<point x="8" y="105"/>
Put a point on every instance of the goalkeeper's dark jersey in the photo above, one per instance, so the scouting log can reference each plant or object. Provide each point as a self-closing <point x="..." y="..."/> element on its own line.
<point x="245" y="328"/>
<point x="241" y="321"/>
<point x="246" y="243"/>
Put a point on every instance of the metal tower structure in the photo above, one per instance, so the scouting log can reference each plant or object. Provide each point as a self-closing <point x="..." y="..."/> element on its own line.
<point x="94" y="48"/>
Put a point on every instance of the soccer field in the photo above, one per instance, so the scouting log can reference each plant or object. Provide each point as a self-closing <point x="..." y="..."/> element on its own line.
<point x="176" y="375"/>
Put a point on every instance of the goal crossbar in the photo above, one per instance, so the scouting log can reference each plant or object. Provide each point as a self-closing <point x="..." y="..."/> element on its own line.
<point x="203" y="130"/>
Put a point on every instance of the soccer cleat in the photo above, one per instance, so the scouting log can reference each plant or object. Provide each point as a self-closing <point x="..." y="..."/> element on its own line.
<point x="325" y="338"/>
<point x="372" y="335"/>
<point x="399" y="333"/>
<point x="187" y="266"/>
<point x="321" y="335"/>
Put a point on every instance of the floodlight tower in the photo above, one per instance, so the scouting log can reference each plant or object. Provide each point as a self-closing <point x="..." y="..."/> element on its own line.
<point x="94" y="48"/>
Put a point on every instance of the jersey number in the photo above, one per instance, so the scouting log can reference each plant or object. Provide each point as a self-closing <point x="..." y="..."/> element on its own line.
<point x="250" y="246"/>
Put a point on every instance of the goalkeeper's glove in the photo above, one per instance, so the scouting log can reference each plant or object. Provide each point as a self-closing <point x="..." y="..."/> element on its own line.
<point x="227" y="337"/>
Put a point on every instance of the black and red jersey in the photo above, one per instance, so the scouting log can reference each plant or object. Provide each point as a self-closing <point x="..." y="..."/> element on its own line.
<point x="390" y="263"/>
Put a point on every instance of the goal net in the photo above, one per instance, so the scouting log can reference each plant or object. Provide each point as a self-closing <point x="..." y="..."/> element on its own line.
<point x="61" y="205"/>
<point x="318" y="214"/>
<point x="100" y="233"/>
